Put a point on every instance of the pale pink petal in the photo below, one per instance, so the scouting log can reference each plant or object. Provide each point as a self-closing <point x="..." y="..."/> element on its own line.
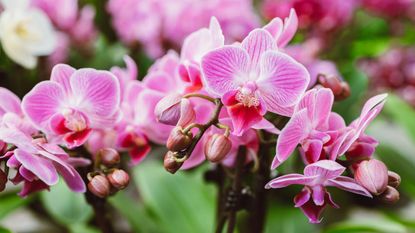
<point x="196" y="158"/>
<point x="27" y="175"/>
<point x="257" y="43"/>
<point x="98" y="92"/>
<point x="72" y="178"/>
<point x="17" y="138"/>
<point x="282" y="81"/>
<point x="370" y="110"/>
<point x="61" y="74"/>
<point x="224" y="68"/>
<point x="295" y="131"/>
<point x="131" y="67"/>
<point x="336" y="121"/>
<point x="9" y="102"/>
<point x="318" y="194"/>
<point x="160" y="81"/>
<point x="290" y="179"/>
<point x="42" y="168"/>
<point x="290" y="28"/>
<point x="266" y="125"/>
<point x="275" y="27"/>
<point x="42" y="102"/>
<point x="325" y="169"/>
<point x="348" y="184"/>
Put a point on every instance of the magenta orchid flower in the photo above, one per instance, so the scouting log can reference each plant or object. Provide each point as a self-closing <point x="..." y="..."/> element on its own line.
<point x="38" y="163"/>
<point x="317" y="176"/>
<point x="308" y="127"/>
<point x="253" y="78"/>
<point x="73" y="103"/>
<point x="353" y="139"/>
<point x="11" y="114"/>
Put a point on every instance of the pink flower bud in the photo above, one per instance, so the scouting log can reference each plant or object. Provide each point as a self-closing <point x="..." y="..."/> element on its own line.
<point x="119" y="179"/>
<point x="167" y="110"/>
<point x="178" y="140"/>
<point x="394" y="179"/>
<point x="170" y="163"/>
<point x="372" y="175"/>
<point x="109" y="156"/>
<point x="3" y="180"/>
<point x="390" y="195"/>
<point x="187" y="113"/>
<point x="340" y="89"/>
<point x="217" y="147"/>
<point x="99" y="186"/>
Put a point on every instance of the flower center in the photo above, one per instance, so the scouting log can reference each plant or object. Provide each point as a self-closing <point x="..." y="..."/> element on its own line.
<point x="75" y="121"/>
<point x="247" y="97"/>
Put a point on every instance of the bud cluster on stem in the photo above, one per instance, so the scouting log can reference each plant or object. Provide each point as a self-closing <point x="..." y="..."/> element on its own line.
<point x="373" y="175"/>
<point x="181" y="141"/>
<point x="106" y="179"/>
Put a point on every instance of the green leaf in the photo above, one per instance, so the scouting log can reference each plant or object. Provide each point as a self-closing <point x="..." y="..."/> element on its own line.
<point x="402" y="113"/>
<point x="66" y="206"/>
<point x="183" y="202"/>
<point x="4" y="230"/>
<point x="78" y="228"/>
<point x="10" y="202"/>
<point x="139" y="218"/>
<point x="287" y="219"/>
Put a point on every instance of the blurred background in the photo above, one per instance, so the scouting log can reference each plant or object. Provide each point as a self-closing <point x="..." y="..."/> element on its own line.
<point x="370" y="42"/>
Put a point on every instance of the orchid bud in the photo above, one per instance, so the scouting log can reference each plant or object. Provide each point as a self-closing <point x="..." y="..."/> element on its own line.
<point x="99" y="186"/>
<point x="167" y="110"/>
<point x="217" y="147"/>
<point x="119" y="179"/>
<point x="3" y="180"/>
<point x="187" y="113"/>
<point x="390" y="195"/>
<point x="394" y="179"/>
<point x="178" y="140"/>
<point x="170" y="163"/>
<point x="109" y="156"/>
<point x="340" y="89"/>
<point x="372" y="175"/>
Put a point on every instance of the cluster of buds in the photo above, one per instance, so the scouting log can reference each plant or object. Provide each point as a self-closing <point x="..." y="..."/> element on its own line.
<point x="393" y="70"/>
<point x="340" y="88"/>
<point x="108" y="179"/>
<point x="373" y="175"/>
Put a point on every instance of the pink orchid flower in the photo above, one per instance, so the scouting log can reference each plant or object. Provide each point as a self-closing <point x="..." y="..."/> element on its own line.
<point x="308" y="127"/>
<point x="73" y="103"/>
<point x="283" y="32"/>
<point x="253" y="78"/>
<point x="11" y="115"/>
<point x="195" y="46"/>
<point x="353" y="138"/>
<point x="38" y="163"/>
<point x="317" y="176"/>
<point x="125" y="75"/>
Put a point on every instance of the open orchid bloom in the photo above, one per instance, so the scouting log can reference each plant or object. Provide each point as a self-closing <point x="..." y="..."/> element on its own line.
<point x="38" y="163"/>
<point x="308" y="126"/>
<point x="353" y="136"/>
<point x="73" y="103"/>
<point x="11" y="115"/>
<point x="253" y="78"/>
<point x="318" y="176"/>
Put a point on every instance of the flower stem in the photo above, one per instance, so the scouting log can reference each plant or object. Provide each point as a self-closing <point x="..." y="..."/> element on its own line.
<point x="99" y="205"/>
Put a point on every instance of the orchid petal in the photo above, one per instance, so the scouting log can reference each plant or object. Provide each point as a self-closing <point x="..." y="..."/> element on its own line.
<point x="257" y="43"/>
<point x="282" y="81"/>
<point x="348" y="184"/>
<point x="290" y="179"/>
<point x="325" y="169"/>
<point x="224" y="68"/>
